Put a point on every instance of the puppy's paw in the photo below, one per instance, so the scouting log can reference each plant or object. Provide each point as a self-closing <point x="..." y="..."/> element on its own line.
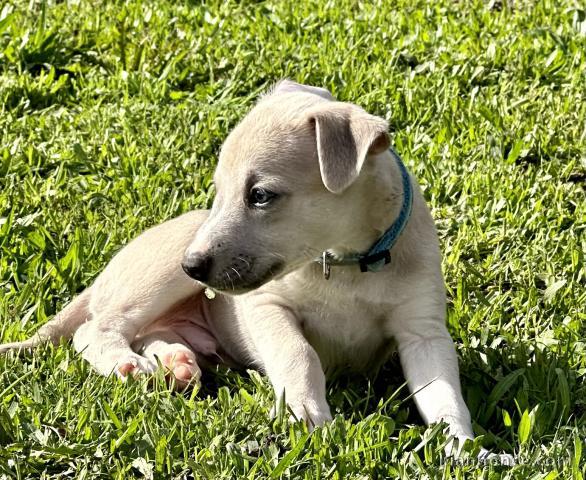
<point x="314" y="417"/>
<point x="133" y="364"/>
<point x="485" y="456"/>
<point x="310" y="411"/>
<point x="182" y="365"/>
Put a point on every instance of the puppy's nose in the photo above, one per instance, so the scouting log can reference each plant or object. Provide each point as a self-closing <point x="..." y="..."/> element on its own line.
<point x="197" y="266"/>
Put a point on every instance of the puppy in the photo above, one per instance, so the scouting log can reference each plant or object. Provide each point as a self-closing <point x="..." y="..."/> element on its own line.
<point x="319" y="250"/>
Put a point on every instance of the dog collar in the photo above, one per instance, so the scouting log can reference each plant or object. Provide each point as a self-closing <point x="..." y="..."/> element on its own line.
<point x="380" y="253"/>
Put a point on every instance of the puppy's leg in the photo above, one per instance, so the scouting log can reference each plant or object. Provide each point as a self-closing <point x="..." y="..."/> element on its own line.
<point x="142" y="282"/>
<point x="430" y="366"/>
<point x="118" y="315"/>
<point x="290" y="362"/>
<point x="107" y="348"/>
<point x="168" y="348"/>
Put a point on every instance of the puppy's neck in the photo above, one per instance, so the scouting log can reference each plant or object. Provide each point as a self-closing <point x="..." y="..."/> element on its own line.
<point x="387" y="192"/>
<point x="378" y="195"/>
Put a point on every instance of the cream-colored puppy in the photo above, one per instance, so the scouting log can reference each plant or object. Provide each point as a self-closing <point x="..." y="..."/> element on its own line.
<point x="302" y="174"/>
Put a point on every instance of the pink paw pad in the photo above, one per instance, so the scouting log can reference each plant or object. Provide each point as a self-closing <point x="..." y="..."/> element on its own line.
<point x="125" y="368"/>
<point x="182" y="365"/>
<point x="133" y="365"/>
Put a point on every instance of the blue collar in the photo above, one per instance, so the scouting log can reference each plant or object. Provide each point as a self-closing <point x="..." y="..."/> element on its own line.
<point x="380" y="253"/>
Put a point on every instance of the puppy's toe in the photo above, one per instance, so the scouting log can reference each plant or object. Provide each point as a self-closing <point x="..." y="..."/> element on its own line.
<point x="134" y="365"/>
<point x="317" y="419"/>
<point x="313" y="413"/>
<point x="182" y="364"/>
<point x="177" y="357"/>
<point x="186" y="373"/>
<point x="124" y="369"/>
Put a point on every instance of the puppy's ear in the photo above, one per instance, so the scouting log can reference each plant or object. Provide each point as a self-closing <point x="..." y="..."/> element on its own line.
<point x="345" y="136"/>
<point x="289" y="86"/>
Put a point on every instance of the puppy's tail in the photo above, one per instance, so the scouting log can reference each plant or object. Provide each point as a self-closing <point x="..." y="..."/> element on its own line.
<point x="63" y="325"/>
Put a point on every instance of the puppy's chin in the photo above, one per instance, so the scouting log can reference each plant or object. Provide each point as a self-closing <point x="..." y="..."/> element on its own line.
<point x="247" y="283"/>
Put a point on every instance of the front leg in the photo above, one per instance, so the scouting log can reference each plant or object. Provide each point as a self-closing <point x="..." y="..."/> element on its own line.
<point x="290" y="362"/>
<point x="430" y="365"/>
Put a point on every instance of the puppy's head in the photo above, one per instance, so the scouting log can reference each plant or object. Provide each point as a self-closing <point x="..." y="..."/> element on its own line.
<point x="288" y="187"/>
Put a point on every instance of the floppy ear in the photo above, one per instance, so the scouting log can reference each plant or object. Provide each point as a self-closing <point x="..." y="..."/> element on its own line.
<point x="345" y="136"/>
<point x="289" y="86"/>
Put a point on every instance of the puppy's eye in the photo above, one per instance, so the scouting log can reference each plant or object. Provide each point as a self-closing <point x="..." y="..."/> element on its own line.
<point x="260" y="197"/>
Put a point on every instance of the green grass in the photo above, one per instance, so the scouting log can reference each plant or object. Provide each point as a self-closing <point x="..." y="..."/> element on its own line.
<point x="112" y="114"/>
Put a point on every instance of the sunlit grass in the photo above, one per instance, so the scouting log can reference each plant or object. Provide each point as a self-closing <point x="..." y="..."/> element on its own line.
<point x="112" y="114"/>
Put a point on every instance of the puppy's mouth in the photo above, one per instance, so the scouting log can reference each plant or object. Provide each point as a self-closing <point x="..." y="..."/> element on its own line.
<point x="233" y="282"/>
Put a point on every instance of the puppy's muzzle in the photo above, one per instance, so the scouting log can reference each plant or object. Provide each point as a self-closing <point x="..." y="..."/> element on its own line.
<point x="197" y="266"/>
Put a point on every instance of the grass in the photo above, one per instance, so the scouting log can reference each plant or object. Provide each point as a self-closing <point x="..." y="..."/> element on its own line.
<point x="112" y="114"/>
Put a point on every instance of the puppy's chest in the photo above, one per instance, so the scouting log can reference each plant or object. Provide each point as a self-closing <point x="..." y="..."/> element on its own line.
<point x="349" y="334"/>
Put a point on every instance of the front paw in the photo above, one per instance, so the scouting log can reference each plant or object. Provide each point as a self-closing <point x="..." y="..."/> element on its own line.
<point x="455" y="450"/>
<point x="313" y="413"/>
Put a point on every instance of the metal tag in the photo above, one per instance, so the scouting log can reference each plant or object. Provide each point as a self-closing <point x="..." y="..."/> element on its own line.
<point x="209" y="293"/>
<point x="326" y="265"/>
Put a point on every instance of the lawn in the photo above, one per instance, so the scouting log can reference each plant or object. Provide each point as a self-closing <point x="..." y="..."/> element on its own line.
<point x="112" y="114"/>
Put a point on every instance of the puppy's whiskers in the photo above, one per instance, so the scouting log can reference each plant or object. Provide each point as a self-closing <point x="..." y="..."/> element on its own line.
<point x="245" y="261"/>
<point x="230" y="280"/>
<point x="237" y="273"/>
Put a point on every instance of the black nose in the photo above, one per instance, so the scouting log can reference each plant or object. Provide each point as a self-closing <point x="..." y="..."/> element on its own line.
<point x="197" y="266"/>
